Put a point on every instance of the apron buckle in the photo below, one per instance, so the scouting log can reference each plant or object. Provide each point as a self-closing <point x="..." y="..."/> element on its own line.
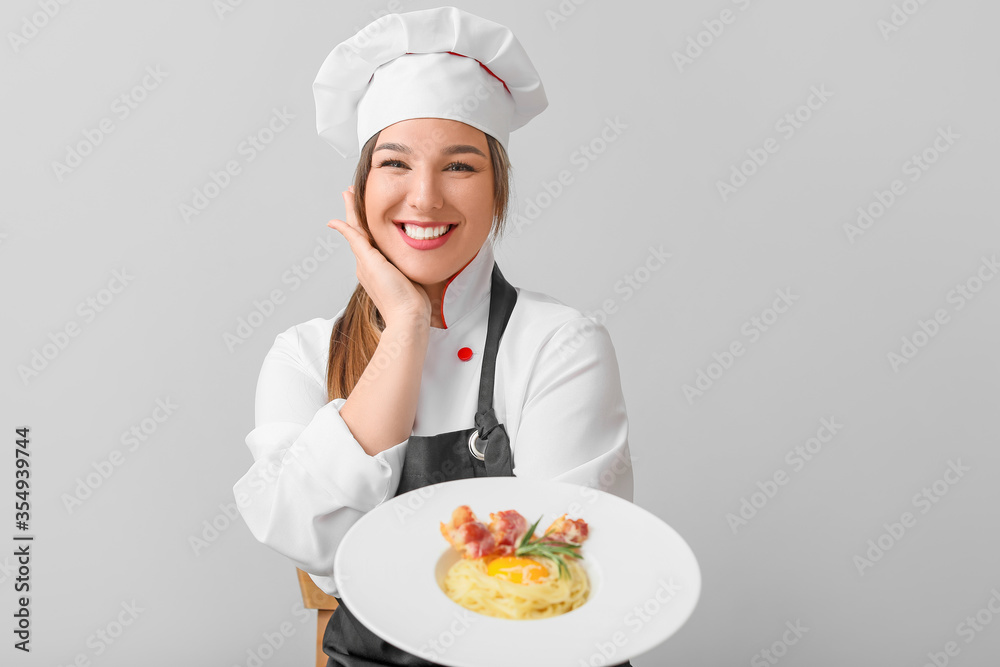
<point x="472" y="446"/>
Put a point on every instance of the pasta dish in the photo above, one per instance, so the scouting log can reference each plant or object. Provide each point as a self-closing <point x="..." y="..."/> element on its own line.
<point x="506" y="572"/>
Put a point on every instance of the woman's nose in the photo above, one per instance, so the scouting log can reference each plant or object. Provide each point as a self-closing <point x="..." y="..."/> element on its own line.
<point x="425" y="192"/>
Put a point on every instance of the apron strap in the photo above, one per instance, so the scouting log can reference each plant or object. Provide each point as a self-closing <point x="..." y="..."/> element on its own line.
<point x="492" y="437"/>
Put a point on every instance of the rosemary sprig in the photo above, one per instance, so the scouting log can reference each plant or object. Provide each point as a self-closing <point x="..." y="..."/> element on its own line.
<point x="551" y="549"/>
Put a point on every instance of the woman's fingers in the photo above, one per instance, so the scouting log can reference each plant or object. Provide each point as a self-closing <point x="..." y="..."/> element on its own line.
<point x="351" y="222"/>
<point x="356" y="236"/>
<point x="352" y="213"/>
<point x="396" y="296"/>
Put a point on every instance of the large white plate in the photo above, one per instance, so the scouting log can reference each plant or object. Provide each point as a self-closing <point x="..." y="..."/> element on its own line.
<point x="644" y="578"/>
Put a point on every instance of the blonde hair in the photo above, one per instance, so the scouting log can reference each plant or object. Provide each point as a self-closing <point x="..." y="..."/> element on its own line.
<point x="356" y="334"/>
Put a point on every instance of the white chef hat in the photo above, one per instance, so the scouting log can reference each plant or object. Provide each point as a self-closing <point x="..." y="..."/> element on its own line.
<point x="432" y="63"/>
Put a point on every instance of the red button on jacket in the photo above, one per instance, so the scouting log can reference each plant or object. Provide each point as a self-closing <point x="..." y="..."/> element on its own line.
<point x="465" y="354"/>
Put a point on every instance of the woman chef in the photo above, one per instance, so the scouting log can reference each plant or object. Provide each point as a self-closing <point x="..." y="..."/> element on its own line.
<point x="448" y="371"/>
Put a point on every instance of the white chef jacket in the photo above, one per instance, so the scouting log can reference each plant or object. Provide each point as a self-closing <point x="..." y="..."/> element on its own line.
<point x="557" y="392"/>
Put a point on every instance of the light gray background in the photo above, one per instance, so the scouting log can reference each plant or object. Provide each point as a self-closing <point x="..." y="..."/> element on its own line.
<point x="162" y="337"/>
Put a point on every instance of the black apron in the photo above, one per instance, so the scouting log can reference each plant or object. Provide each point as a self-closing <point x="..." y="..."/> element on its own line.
<point x="480" y="451"/>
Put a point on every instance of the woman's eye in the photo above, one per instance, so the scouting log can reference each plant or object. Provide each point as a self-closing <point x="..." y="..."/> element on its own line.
<point x="454" y="166"/>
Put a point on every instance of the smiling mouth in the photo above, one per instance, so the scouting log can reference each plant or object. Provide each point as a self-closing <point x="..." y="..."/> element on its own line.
<point x="418" y="233"/>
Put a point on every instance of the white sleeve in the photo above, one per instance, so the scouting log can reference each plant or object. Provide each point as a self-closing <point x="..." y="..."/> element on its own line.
<point x="573" y="426"/>
<point x="310" y="480"/>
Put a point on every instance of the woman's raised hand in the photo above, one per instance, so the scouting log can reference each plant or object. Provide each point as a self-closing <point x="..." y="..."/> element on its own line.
<point x="398" y="299"/>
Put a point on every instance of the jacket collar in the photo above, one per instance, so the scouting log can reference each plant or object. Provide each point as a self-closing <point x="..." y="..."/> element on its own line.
<point x="466" y="289"/>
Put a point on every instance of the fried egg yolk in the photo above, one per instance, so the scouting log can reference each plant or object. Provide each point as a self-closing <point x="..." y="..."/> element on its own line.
<point x="517" y="570"/>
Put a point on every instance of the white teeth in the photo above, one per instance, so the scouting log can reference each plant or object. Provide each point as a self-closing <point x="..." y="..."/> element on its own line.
<point x="423" y="233"/>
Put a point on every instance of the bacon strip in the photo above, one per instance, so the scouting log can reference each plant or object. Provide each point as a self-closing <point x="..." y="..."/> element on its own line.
<point x="507" y="527"/>
<point x="468" y="535"/>
<point x="474" y="539"/>
<point x="568" y="530"/>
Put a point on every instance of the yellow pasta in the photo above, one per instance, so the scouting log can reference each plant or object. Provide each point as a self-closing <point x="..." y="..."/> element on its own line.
<point x="469" y="584"/>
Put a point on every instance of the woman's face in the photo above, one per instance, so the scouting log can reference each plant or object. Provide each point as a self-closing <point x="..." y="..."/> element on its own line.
<point x="434" y="171"/>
